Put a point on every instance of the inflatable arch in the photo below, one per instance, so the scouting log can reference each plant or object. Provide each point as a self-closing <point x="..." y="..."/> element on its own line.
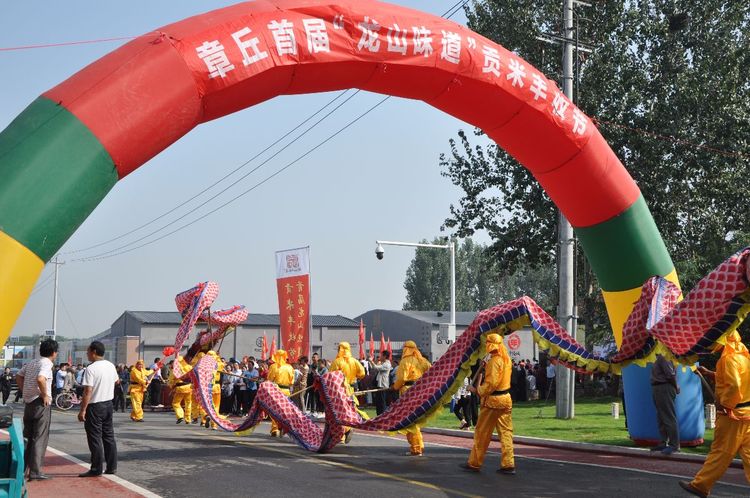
<point x="66" y="150"/>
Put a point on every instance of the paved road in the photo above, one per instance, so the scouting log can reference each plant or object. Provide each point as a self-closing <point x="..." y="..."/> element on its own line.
<point x="181" y="461"/>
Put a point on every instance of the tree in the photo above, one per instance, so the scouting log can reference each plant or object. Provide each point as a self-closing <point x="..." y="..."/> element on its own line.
<point x="643" y="82"/>
<point x="478" y="283"/>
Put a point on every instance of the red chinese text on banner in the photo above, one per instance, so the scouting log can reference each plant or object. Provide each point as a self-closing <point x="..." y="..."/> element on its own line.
<point x="293" y="287"/>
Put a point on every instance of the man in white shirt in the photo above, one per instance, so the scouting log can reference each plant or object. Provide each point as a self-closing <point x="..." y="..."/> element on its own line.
<point x="36" y="380"/>
<point x="550" y="380"/>
<point x="96" y="411"/>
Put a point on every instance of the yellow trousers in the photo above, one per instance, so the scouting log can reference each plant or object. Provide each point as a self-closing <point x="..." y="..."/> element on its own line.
<point x="216" y="398"/>
<point x="177" y="401"/>
<point x="196" y="410"/>
<point x="274" y="425"/>
<point x="730" y="437"/>
<point x="416" y="444"/>
<point x="491" y="419"/>
<point x="136" y="401"/>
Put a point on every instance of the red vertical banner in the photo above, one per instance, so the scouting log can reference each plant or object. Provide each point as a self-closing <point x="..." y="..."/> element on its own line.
<point x="361" y="340"/>
<point x="293" y="287"/>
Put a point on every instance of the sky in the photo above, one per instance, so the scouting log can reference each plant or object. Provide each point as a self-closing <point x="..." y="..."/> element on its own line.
<point x="379" y="179"/>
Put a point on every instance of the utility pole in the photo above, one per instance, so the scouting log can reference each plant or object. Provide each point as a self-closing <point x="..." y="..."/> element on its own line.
<point x="566" y="308"/>
<point x="54" y="299"/>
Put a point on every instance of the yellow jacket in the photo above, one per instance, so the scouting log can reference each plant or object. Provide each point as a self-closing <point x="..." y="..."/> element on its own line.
<point x="183" y="389"/>
<point x="352" y="368"/>
<point x="733" y="376"/>
<point x="281" y="373"/>
<point x="497" y="374"/>
<point x="411" y="368"/>
<point x="139" y="379"/>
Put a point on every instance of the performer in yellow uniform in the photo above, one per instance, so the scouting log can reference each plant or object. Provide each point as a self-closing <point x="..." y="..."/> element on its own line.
<point x="496" y="405"/>
<point x="138" y="384"/>
<point x="282" y="374"/>
<point x="353" y="370"/>
<point x="412" y="368"/>
<point x="732" y="432"/>
<point x="182" y="392"/>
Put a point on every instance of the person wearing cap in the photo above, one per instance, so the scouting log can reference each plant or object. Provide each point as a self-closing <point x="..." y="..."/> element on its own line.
<point x="732" y="434"/>
<point x="280" y="373"/>
<point x="496" y="403"/>
<point x="138" y="385"/>
<point x="412" y="367"/>
<point x="352" y="370"/>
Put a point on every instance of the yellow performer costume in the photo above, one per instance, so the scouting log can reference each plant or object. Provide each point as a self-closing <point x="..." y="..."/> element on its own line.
<point x="353" y="370"/>
<point x="182" y="392"/>
<point x="496" y="406"/>
<point x="282" y="374"/>
<point x="138" y="383"/>
<point x="412" y="368"/>
<point x="732" y="432"/>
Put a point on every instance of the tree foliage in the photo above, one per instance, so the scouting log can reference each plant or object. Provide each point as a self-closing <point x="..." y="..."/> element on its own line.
<point x="673" y="104"/>
<point x="478" y="283"/>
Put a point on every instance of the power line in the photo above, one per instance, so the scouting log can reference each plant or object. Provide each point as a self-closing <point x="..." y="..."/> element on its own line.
<point x="197" y="194"/>
<point x="290" y="164"/>
<point x="448" y="14"/>
<point x="40" y="287"/>
<point x="216" y="195"/>
<point x="65" y="44"/>
<point x="70" y="318"/>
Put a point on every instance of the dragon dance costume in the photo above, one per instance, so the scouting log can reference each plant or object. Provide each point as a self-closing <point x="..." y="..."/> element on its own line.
<point x="732" y="432"/>
<point x="353" y="371"/>
<point x="280" y="373"/>
<point x="138" y="383"/>
<point x="412" y="367"/>
<point x="496" y="406"/>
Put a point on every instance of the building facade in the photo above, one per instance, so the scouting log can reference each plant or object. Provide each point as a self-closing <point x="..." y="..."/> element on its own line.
<point x="144" y="334"/>
<point x="423" y="328"/>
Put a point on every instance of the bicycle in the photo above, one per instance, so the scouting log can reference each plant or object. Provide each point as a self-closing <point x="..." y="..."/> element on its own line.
<point x="67" y="400"/>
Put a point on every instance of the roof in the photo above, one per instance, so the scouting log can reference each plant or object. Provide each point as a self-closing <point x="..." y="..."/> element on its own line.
<point x="463" y="318"/>
<point x="253" y="319"/>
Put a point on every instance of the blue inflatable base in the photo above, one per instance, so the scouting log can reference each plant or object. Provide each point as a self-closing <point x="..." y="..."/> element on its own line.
<point x="641" y="412"/>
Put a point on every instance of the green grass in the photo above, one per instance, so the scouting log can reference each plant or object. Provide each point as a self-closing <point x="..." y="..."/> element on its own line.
<point x="593" y="423"/>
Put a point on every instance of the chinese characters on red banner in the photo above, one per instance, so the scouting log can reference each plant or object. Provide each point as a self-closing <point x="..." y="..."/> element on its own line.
<point x="293" y="288"/>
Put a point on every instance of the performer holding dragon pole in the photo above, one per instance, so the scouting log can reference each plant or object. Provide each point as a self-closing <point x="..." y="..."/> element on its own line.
<point x="412" y="367"/>
<point x="496" y="406"/>
<point x="182" y="390"/>
<point x="352" y="370"/>
<point x="280" y="373"/>
<point x="138" y="384"/>
<point x="732" y="433"/>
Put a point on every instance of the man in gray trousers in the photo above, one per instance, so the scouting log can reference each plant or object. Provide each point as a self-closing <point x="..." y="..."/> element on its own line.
<point x="664" y="389"/>
<point x="35" y="380"/>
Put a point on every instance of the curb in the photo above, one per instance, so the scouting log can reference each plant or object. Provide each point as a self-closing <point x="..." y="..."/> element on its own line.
<point x="578" y="446"/>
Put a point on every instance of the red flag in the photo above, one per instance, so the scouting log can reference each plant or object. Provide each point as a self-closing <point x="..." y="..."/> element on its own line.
<point x="390" y="349"/>
<point x="264" y="348"/>
<point x="382" y="342"/>
<point x="361" y="340"/>
<point x="70" y="359"/>
<point x="273" y="348"/>
<point x="372" y="345"/>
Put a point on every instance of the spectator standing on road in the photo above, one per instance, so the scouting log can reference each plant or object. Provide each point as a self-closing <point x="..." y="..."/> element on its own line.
<point x="251" y="377"/>
<point x="96" y="411"/>
<point x="156" y="382"/>
<point x="496" y="409"/>
<point x="35" y="379"/>
<point x="120" y="388"/>
<point x="5" y="382"/>
<point x="300" y="384"/>
<point x="383" y="369"/>
<point x="664" y="389"/>
<point x="732" y="432"/>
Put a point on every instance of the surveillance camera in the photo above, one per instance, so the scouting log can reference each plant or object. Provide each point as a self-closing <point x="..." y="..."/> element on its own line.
<point x="379" y="251"/>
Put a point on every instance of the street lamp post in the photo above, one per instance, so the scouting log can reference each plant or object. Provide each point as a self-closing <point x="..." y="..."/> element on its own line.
<point x="451" y="246"/>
